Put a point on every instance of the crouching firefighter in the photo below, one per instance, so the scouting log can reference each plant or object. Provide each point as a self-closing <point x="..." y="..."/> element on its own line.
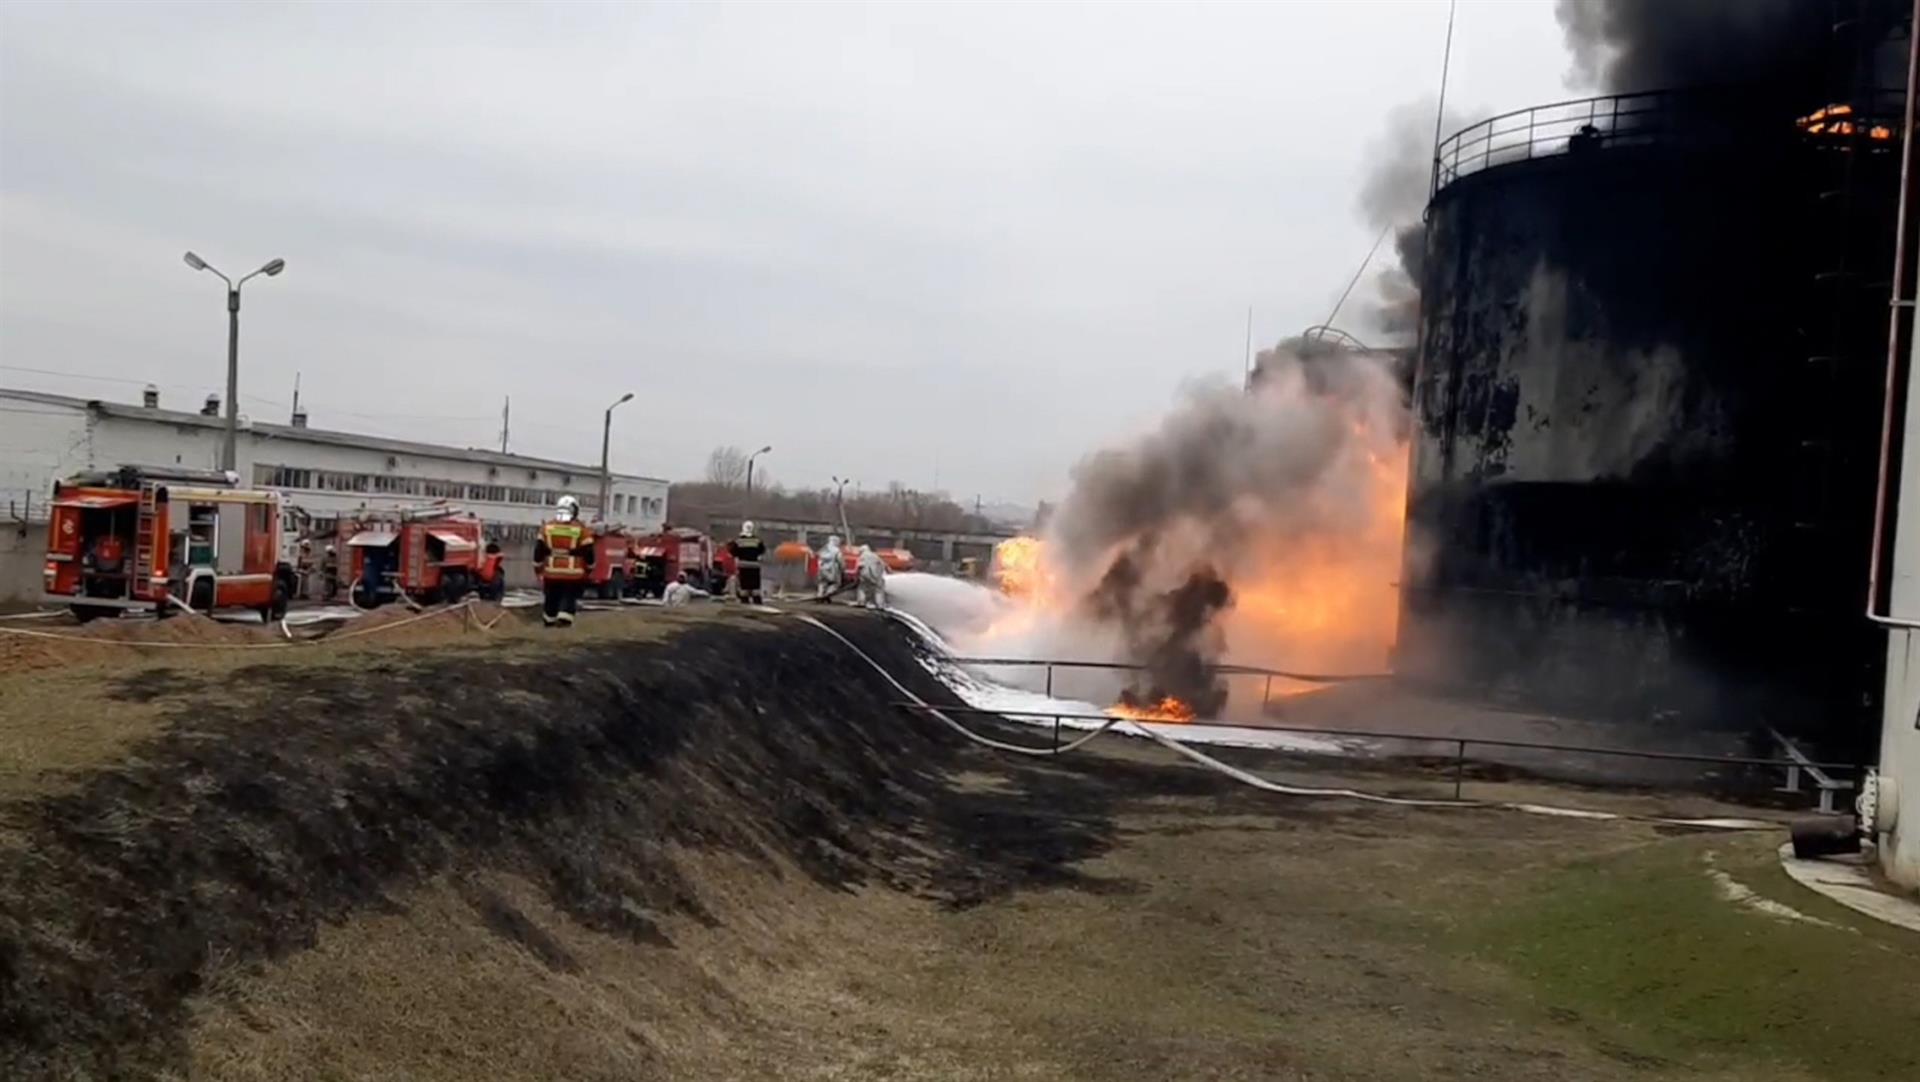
<point x="562" y="556"/>
<point x="747" y="550"/>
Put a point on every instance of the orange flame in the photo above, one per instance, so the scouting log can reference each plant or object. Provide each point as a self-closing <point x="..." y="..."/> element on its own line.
<point x="1167" y="709"/>
<point x="1322" y="597"/>
<point x="1016" y="563"/>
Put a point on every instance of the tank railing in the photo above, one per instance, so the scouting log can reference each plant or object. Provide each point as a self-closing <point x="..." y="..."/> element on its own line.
<point x="1459" y="742"/>
<point x="1558" y="128"/>
<point x="1701" y="116"/>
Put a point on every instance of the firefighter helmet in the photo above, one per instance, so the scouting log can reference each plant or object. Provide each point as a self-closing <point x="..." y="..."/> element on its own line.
<point x="567" y="510"/>
<point x="748" y="529"/>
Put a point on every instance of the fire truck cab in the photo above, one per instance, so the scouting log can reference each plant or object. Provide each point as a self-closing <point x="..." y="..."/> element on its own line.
<point x="145" y="538"/>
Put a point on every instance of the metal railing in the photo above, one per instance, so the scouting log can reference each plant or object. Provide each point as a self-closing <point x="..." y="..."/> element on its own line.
<point x="1704" y="117"/>
<point x="1459" y="743"/>
<point x="1218" y="670"/>
<point x="1563" y="127"/>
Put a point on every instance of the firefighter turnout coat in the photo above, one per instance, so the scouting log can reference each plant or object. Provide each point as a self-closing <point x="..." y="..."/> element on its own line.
<point x="564" y="551"/>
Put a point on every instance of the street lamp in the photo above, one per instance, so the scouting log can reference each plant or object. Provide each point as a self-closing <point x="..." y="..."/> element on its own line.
<point x="840" y="504"/>
<point x="227" y="453"/>
<point x="750" y="459"/>
<point x="606" y="474"/>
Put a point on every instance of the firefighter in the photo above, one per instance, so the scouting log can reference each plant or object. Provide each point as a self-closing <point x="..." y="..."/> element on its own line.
<point x="873" y="579"/>
<point x="833" y="565"/>
<point x="493" y="576"/>
<point x="303" y="568"/>
<point x="747" y="549"/>
<point x="562" y="556"/>
<point x="678" y="592"/>
<point x="330" y="573"/>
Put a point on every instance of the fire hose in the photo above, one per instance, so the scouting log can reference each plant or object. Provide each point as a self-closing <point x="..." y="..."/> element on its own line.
<point x="465" y="608"/>
<point x="1250" y="779"/>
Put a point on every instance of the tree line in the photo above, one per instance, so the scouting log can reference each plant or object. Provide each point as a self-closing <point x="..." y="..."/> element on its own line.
<point x="722" y="491"/>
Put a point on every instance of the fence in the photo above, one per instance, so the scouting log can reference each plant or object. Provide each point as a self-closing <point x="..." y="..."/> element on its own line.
<point x="1703" y="117"/>
<point x="1458" y="743"/>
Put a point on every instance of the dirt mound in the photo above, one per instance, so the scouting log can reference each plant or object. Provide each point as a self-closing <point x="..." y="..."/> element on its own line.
<point x="240" y="831"/>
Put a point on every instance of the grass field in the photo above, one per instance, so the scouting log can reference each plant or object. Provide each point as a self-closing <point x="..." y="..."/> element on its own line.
<point x="708" y="848"/>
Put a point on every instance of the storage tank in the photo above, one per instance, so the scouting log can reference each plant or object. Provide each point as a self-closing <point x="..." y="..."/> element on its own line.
<point x="1646" y="412"/>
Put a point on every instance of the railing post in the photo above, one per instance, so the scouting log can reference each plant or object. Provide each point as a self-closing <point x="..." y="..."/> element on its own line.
<point x="1459" y="768"/>
<point x="1266" y="695"/>
<point x="1056" y="721"/>
<point x="1056" y="732"/>
<point x="1532" y="114"/>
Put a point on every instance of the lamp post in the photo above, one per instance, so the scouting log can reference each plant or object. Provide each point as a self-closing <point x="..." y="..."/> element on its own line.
<point x="750" y="458"/>
<point x="227" y="452"/>
<point x="606" y="473"/>
<point x="840" y="504"/>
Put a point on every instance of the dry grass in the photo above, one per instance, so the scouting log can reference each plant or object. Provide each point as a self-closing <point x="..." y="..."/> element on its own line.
<point x="83" y="704"/>
<point x="1220" y="939"/>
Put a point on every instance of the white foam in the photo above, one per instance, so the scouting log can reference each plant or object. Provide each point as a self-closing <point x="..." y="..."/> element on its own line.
<point x="977" y="689"/>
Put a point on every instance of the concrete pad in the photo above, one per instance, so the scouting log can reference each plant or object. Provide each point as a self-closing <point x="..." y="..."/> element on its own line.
<point x="1852" y="885"/>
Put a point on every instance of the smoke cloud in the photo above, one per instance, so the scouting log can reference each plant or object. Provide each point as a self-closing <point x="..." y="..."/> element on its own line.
<point x="1393" y="196"/>
<point x="1206" y="537"/>
<point x="1623" y="46"/>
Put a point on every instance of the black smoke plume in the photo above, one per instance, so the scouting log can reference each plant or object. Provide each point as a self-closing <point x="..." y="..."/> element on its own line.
<point x="1153" y="533"/>
<point x="1775" y="46"/>
<point x="1393" y="197"/>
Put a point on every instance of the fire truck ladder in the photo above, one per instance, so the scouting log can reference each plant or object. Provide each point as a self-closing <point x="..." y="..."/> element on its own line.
<point x="145" y="543"/>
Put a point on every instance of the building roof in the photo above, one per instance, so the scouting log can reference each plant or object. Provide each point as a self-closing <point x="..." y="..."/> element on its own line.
<point x="316" y="435"/>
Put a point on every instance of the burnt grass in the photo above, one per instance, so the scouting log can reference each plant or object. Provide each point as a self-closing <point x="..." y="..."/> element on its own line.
<point x="292" y="797"/>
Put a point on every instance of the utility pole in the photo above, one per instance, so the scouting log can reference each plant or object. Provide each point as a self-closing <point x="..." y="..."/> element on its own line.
<point x="1247" y="355"/>
<point x="296" y="395"/>
<point x="506" y="408"/>
<point x="229" y="451"/>
<point x="606" y="473"/>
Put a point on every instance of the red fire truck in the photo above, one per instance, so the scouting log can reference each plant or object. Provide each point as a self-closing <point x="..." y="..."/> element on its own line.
<point x="612" y="573"/>
<point x="429" y="554"/>
<point x="660" y="557"/>
<point x="152" y="538"/>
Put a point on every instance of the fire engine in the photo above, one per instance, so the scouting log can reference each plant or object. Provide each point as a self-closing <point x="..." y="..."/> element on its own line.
<point x="659" y="558"/>
<point x="153" y="538"/>
<point x="429" y="554"/>
<point x="612" y="572"/>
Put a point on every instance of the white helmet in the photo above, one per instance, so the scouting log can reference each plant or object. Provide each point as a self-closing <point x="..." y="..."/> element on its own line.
<point x="748" y="529"/>
<point x="567" y="509"/>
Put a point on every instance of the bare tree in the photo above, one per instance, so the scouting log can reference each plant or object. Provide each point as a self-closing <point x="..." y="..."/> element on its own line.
<point x="727" y="466"/>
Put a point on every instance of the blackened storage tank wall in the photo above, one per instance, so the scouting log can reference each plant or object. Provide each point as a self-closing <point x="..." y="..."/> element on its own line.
<point x="1646" y="420"/>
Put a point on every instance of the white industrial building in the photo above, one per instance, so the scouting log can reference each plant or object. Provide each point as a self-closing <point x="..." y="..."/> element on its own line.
<point x="45" y="437"/>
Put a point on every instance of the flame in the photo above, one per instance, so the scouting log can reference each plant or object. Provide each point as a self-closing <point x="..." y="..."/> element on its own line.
<point x="1017" y="565"/>
<point x="1319" y="599"/>
<point x="1830" y="122"/>
<point x="1167" y="709"/>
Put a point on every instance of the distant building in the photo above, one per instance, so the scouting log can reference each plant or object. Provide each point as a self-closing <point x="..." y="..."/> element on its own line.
<point x="46" y="437"/>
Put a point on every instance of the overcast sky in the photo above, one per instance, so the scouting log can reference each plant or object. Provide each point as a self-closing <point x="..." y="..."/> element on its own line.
<point x="962" y="244"/>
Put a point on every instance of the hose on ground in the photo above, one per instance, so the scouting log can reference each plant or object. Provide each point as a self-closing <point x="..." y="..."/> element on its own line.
<point x="1255" y="781"/>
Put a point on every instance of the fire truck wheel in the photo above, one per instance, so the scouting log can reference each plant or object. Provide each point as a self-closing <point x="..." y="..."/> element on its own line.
<point x="453" y="586"/>
<point x="83" y="613"/>
<point x="200" y="598"/>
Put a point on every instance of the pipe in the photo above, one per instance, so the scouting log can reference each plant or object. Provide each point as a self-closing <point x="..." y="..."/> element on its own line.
<point x="1896" y="303"/>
